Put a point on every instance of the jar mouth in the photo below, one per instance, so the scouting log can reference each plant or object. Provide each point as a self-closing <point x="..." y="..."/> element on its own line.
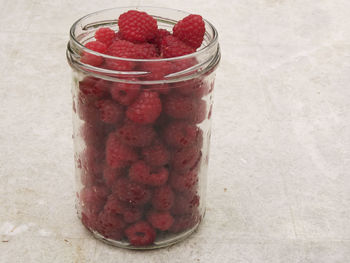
<point x="210" y="51"/>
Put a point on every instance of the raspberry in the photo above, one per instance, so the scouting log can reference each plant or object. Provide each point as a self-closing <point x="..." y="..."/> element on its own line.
<point x="93" y="88"/>
<point x="124" y="93"/>
<point x="156" y="154"/>
<point x="160" y="34"/>
<point x="184" y="222"/>
<point x="132" y="215"/>
<point x="200" y="112"/>
<point x="89" y="220"/>
<point x="89" y="178"/>
<point x="194" y="88"/>
<point x="160" y="220"/>
<point x="137" y="26"/>
<point x="145" y="50"/>
<point x="92" y="134"/>
<point x="92" y="199"/>
<point x="110" y="175"/>
<point x="141" y="173"/>
<point x="140" y="234"/>
<point x="131" y="192"/>
<point x="118" y="36"/>
<point x="110" y="225"/>
<point x="179" y="107"/>
<point x="185" y="158"/>
<point x="173" y="47"/>
<point x="114" y="205"/>
<point x="121" y="49"/>
<point x="157" y="71"/>
<point x="92" y="160"/>
<point x="110" y="112"/>
<point x="163" y="198"/>
<point x="185" y="204"/>
<point x="181" y="134"/>
<point x="186" y="182"/>
<point x="96" y="46"/>
<point x="136" y="135"/>
<point x="145" y="109"/>
<point x="105" y="35"/>
<point x="190" y="30"/>
<point x="86" y="109"/>
<point x="92" y="59"/>
<point x="118" y="155"/>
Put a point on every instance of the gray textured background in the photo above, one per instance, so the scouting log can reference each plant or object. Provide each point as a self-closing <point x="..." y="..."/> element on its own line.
<point x="279" y="185"/>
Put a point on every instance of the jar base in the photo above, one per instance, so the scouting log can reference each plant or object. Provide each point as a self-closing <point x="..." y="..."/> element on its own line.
<point x="171" y="240"/>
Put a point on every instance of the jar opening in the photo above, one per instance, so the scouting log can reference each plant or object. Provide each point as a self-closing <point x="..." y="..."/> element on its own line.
<point x="83" y="30"/>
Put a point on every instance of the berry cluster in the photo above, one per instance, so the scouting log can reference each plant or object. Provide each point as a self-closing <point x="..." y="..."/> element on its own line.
<point x="143" y="146"/>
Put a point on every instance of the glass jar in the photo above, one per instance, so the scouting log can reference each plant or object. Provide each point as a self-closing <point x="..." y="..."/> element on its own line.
<point x="141" y="130"/>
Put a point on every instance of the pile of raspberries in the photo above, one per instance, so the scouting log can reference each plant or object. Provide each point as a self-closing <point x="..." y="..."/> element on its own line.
<point x="143" y="149"/>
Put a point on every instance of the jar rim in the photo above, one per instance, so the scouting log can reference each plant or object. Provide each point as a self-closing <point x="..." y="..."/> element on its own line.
<point x="74" y="42"/>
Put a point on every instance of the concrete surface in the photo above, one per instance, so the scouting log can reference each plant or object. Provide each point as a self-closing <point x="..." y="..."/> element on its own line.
<point x="279" y="185"/>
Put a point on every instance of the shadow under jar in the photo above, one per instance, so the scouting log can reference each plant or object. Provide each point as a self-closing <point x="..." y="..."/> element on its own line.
<point x="141" y="176"/>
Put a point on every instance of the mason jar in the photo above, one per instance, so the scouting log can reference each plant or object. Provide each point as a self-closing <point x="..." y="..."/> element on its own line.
<point x="141" y="171"/>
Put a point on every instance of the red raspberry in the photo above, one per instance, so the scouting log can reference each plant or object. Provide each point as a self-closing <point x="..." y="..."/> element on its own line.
<point x="160" y="220"/>
<point x="89" y="220"/>
<point x="110" y="175"/>
<point x="141" y="173"/>
<point x="121" y="49"/>
<point x="118" y="155"/>
<point x="96" y="46"/>
<point x="114" y="205"/>
<point x="157" y="71"/>
<point x="186" y="158"/>
<point x="145" y="109"/>
<point x="145" y="50"/>
<point x="195" y="88"/>
<point x="200" y="112"/>
<point x="160" y="34"/>
<point x="137" y="26"/>
<point x="184" y="222"/>
<point x="185" y="204"/>
<point x="124" y="93"/>
<point x="93" y="88"/>
<point x="92" y="59"/>
<point x="105" y="35"/>
<point x="92" y="135"/>
<point x="184" y="64"/>
<point x="89" y="178"/>
<point x="140" y="234"/>
<point x="110" y="112"/>
<point x="110" y="225"/>
<point x="182" y="134"/>
<point x="173" y="47"/>
<point x="92" y="159"/>
<point x="179" y="107"/>
<point x="156" y="154"/>
<point x="131" y="192"/>
<point x="118" y="36"/>
<point x="86" y="109"/>
<point x="132" y="214"/>
<point x="136" y="135"/>
<point x="186" y="182"/>
<point x="163" y="198"/>
<point x="92" y="199"/>
<point x="190" y="30"/>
